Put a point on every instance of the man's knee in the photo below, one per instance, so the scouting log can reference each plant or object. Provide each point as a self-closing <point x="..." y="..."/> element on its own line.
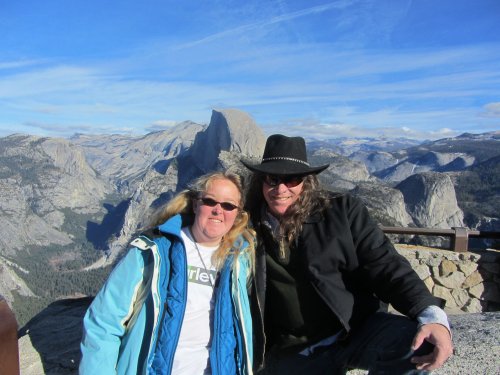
<point x="382" y="343"/>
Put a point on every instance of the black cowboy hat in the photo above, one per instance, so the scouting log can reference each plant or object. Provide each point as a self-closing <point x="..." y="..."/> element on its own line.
<point x="285" y="156"/>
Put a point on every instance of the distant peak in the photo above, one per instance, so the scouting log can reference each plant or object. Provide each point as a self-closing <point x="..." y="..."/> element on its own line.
<point x="229" y="130"/>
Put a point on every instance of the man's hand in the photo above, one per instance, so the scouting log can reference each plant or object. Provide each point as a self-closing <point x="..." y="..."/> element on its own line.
<point x="440" y="337"/>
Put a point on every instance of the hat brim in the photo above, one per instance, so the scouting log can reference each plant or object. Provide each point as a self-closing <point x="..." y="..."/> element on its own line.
<point x="283" y="168"/>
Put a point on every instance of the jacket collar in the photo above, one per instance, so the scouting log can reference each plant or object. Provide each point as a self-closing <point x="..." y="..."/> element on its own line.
<point x="174" y="224"/>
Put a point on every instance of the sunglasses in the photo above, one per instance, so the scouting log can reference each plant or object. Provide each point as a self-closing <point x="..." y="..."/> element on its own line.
<point x="226" y="206"/>
<point x="288" y="181"/>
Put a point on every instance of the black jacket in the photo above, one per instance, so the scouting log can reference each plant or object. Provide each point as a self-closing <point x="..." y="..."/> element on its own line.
<point x="351" y="264"/>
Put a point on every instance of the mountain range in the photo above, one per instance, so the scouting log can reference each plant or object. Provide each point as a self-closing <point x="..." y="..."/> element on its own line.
<point x="69" y="207"/>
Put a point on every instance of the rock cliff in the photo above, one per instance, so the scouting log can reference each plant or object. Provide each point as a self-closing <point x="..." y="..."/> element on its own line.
<point x="11" y="281"/>
<point x="229" y="130"/>
<point x="124" y="160"/>
<point x="343" y="173"/>
<point x="386" y="204"/>
<point x="376" y="161"/>
<point x="431" y="201"/>
<point x="448" y="154"/>
<point x="41" y="180"/>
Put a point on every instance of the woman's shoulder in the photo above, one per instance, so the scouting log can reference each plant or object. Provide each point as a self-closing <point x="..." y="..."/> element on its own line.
<point x="170" y="229"/>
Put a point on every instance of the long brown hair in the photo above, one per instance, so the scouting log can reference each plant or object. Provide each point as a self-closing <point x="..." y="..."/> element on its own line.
<point x="312" y="199"/>
<point x="182" y="203"/>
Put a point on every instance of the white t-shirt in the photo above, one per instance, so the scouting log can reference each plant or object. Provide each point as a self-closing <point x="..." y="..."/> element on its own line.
<point x="192" y="353"/>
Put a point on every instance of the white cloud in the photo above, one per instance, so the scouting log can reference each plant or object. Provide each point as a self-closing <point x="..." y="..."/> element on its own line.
<point x="161" y="125"/>
<point x="62" y="130"/>
<point x="443" y="132"/>
<point x="491" y="110"/>
<point x="246" y="28"/>
<point x="164" y="123"/>
<point x="19" y="64"/>
<point x="40" y="82"/>
<point x="374" y="89"/>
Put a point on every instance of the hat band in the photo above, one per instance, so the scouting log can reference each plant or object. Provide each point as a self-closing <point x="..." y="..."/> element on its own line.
<point x="285" y="158"/>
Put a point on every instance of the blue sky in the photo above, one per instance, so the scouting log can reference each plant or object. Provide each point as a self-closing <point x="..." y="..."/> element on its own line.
<point x="423" y="69"/>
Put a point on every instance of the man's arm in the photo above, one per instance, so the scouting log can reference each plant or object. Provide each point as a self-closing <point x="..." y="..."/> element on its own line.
<point x="435" y="329"/>
<point x="395" y="281"/>
<point x="9" y="350"/>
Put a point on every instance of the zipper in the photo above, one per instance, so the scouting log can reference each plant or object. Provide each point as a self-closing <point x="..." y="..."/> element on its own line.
<point x="159" y="325"/>
<point x="262" y="330"/>
<point x="178" y="333"/>
<point x="215" y="339"/>
<point x="241" y="317"/>
<point x="156" y="302"/>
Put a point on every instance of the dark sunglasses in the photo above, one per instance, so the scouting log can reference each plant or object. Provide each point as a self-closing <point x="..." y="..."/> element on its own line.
<point x="288" y="181"/>
<point x="226" y="206"/>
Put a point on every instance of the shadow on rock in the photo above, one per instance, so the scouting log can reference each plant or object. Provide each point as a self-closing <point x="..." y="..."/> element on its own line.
<point x="99" y="234"/>
<point x="55" y="334"/>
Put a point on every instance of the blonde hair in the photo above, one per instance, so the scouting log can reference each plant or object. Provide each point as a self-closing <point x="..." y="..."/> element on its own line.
<point x="182" y="203"/>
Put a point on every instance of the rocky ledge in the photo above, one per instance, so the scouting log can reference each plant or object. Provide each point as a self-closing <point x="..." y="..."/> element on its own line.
<point x="49" y="343"/>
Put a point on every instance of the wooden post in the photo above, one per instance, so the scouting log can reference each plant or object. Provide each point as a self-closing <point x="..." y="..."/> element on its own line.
<point x="460" y="241"/>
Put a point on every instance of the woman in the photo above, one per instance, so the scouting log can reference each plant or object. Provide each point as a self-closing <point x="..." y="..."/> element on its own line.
<point x="324" y="270"/>
<point x="177" y="303"/>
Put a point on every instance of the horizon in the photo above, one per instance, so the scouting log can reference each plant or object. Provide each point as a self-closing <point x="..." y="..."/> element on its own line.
<point x="308" y="139"/>
<point x="323" y="69"/>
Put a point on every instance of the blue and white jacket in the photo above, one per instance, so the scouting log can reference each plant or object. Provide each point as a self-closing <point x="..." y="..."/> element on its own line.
<point x="134" y="322"/>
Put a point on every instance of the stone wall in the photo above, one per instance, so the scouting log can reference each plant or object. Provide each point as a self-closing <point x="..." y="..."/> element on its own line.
<point x="469" y="282"/>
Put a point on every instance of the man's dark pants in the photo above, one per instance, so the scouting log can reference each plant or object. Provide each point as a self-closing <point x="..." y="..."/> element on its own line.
<point x="381" y="345"/>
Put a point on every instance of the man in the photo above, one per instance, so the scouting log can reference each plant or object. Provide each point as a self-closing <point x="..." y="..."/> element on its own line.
<point x="9" y="352"/>
<point x="324" y="273"/>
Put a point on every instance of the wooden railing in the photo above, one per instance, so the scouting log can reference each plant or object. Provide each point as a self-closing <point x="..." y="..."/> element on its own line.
<point x="459" y="236"/>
